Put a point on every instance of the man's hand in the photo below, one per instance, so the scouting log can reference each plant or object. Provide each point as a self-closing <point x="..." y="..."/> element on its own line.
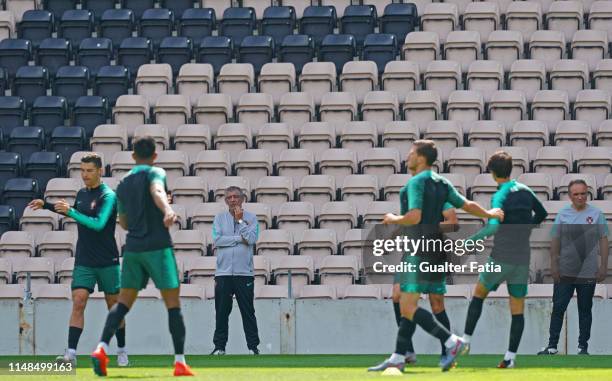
<point x="601" y="274"/>
<point x="554" y="272"/>
<point x="62" y="207"/>
<point x="238" y="213"/>
<point x="496" y="213"/>
<point x="169" y="197"/>
<point x="36" y="204"/>
<point x="390" y="218"/>
<point x="169" y="218"/>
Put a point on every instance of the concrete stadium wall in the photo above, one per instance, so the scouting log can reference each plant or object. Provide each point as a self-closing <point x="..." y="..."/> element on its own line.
<point x="293" y="326"/>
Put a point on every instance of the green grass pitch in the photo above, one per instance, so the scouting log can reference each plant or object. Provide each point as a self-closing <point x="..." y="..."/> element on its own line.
<point x="343" y="368"/>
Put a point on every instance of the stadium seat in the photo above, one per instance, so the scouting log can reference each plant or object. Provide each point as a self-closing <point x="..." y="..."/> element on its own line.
<point x="302" y="272"/>
<point x="591" y="181"/>
<point x="43" y="166"/>
<point x="421" y="48"/>
<point x="359" y="190"/>
<point x="48" y="112"/>
<point x="213" y="110"/>
<point x="488" y="135"/>
<point x="177" y="7"/>
<point x="594" y="160"/>
<point x="570" y="76"/>
<point x="256" y="50"/>
<point x="295" y="163"/>
<point x="363" y="292"/>
<point x="520" y="159"/>
<point x="196" y="23"/>
<point x="338" y="108"/>
<point x="73" y="169"/>
<point x="525" y="18"/>
<point x="401" y="78"/>
<point x="139" y="7"/>
<point x="599" y="17"/>
<point x="278" y="22"/>
<point x="393" y="185"/>
<point x="296" y="217"/>
<point x="189" y="244"/>
<point x="551" y="107"/>
<point x="505" y="47"/>
<point x="555" y="161"/>
<point x="358" y="20"/>
<point x="276" y="79"/>
<point x="317" y="190"/>
<point x="212" y="165"/>
<point x="469" y="161"/>
<point x="62" y="188"/>
<point x="189" y="190"/>
<point x="462" y="47"/>
<point x="10" y="166"/>
<point x="317" y="22"/>
<point x="296" y="109"/>
<point x="483" y="188"/>
<point x="606" y="189"/>
<point x="237" y="23"/>
<point x="253" y="164"/>
<point x="274" y="191"/>
<point x="225" y="182"/>
<point x="381" y="162"/>
<point x="95" y="53"/>
<point x="172" y="111"/>
<point x="36" y="25"/>
<point x="30" y="82"/>
<point x="317" y="79"/>
<point x="134" y="52"/>
<point x="201" y="271"/>
<point x="359" y="78"/>
<point x="175" y="51"/>
<point x="483" y="18"/>
<point x="380" y="48"/>
<point x="18" y="192"/>
<point x="53" y="53"/>
<point x="71" y="82"/>
<point x="89" y="112"/>
<point x="443" y="77"/>
<point x="400" y="135"/>
<point x="602" y="77"/>
<point x="216" y="51"/>
<point x="255" y="110"/>
<point x="233" y="138"/>
<point x="261" y="270"/>
<point x="566" y="17"/>
<point x="592" y="106"/>
<point x="338" y="163"/>
<point x="121" y="163"/>
<point x="131" y="111"/>
<point x="338" y="49"/>
<point x="317" y="244"/>
<point x="447" y="134"/>
<point x="7" y="25"/>
<point x="358" y="136"/>
<point x="25" y="141"/>
<point x="236" y="80"/>
<point x="465" y="106"/>
<point x="547" y="46"/>
<point x="376" y="210"/>
<point x="152" y="81"/>
<point x="399" y="19"/>
<point x="38" y="222"/>
<point x="275" y="137"/>
<point x="440" y="18"/>
<point x="194" y="80"/>
<point x="17" y="246"/>
<point x="317" y="137"/>
<point x="271" y="291"/>
<point x="155" y="24"/>
<point x="6" y="271"/>
<point x="116" y="25"/>
<point x="528" y="76"/>
<point x="75" y="25"/>
<point x="487" y="77"/>
<point x="603" y="135"/>
<point x="380" y="108"/>
<point x="57" y="246"/>
<point x="507" y="107"/>
<point x="573" y="134"/>
<point x="202" y="216"/>
<point x="41" y="270"/>
<point x="277" y="242"/>
<point x="157" y="131"/>
<point x="339" y="216"/>
<point x="296" y="49"/>
<point x="111" y="82"/>
<point x="590" y="46"/>
<point x="175" y="163"/>
<point x="422" y="107"/>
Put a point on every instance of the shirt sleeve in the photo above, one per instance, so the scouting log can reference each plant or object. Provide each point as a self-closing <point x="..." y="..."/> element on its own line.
<point x="447" y="206"/>
<point x="554" y="231"/>
<point x="493" y="224"/>
<point x="223" y="240"/>
<point x="603" y="225"/>
<point x="416" y="187"/>
<point x="250" y="232"/>
<point x="454" y="198"/>
<point x="157" y="175"/>
<point x="403" y="197"/>
<point x="97" y="222"/>
<point x="539" y="211"/>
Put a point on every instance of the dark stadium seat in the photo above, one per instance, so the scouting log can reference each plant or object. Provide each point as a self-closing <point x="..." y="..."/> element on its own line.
<point x="89" y="112"/>
<point x="278" y="22"/>
<point x="134" y="52"/>
<point x="49" y="112"/>
<point x="97" y="7"/>
<point x="337" y="48"/>
<point x="67" y="140"/>
<point x="53" y="53"/>
<point x="237" y="23"/>
<point x="14" y="53"/>
<point x="140" y="7"/>
<point x="177" y="6"/>
<point x="17" y="193"/>
<point x="10" y="166"/>
<point x="71" y="82"/>
<point x="156" y="24"/>
<point x="12" y="113"/>
<point x="58" y="7"/>
<point x="196" y="23"/>
<point x="318" y="21"/>
<point x="358" y="20"/>
<point x="43" y="166"/>
<point x="76" y="25"/>
<point x="112" y="82"/>
<point x="256" y="50"/>
<point x="117" y="24"/>
<point x="95" y="53"/>
<point x="175" y="51"/>
<point x="25" y="141"/>
<point x="36" y="25"/>
<point x="215" y="50"/>
<point x="297" y="49"/>
<point x="399" y="19"/>
<point x="31" y="82"/>
<point x="380" y="48"/>
<point x="7" y="218"/>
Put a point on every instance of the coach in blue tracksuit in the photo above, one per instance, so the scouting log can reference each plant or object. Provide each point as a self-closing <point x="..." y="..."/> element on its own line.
<point x="234" y="233"/>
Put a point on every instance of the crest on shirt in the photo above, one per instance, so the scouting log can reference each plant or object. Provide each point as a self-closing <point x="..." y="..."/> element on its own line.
<point x="92" y="205"/>
<point x="589" y="220"/>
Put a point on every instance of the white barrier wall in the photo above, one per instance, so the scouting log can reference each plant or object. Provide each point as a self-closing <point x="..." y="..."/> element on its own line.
<point x="297" y="326"/>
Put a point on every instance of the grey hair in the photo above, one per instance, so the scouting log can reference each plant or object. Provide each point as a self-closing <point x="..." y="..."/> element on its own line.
<point x="235" y="189"/>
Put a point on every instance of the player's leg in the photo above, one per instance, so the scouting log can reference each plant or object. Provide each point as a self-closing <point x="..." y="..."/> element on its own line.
<point x="244" y="290"/>
<point x="584" y="294"/>
<point x="436" y="301"/>
<point x="122" y="356"/>
<point x="109" y="282"/>
<point x="224" y="291"/>
<point x="517" y="307"/>
<point x="474" y="311"/>
<point x="410" y="354"/>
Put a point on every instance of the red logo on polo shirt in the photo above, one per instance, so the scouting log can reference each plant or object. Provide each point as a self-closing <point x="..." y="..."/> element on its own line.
<point x="589" y="220"/>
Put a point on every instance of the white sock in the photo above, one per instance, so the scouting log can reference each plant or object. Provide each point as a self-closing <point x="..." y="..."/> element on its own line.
<point x="121" y="350"/>
<point x="103" y="346"/>
<point x="509" y="356"/>
<point x="179" y="358"/>
<point x="451" y="341"/>
<point x="467" y="338"/>
<point x="395" y="358"/>
<point x="71" y="353"/>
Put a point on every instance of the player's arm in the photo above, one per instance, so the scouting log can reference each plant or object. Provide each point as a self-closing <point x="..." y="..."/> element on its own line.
<point x="41" y="204"/>
<point x="249" y="232"/>
<point x="450" y="219"/>
<point x="497" y="202"/>
<point x="539" y="213"/>
<point x="97" y="222"/>
<point x="157" y="188"/>
<point x="121" y="215"/>
<point x="415" y="206"/>
<point x="220" y="240"/>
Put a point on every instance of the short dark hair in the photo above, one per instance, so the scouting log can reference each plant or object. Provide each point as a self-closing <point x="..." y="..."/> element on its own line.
<point x="235" y="189"/>
<point x="576" y="182"/>
<point x="500" y="164"/>
<point x="427" y="149"/>
<point x="92" y="157"/>
<point x="144" y="147"/>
